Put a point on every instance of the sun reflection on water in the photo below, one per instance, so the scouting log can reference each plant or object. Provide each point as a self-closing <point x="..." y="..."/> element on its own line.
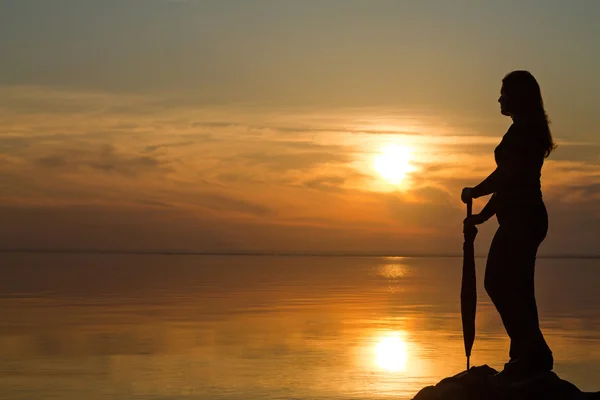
<point x="394" y="270"/>
<point x="396" y="274"/>
<point x="391" y="353"/>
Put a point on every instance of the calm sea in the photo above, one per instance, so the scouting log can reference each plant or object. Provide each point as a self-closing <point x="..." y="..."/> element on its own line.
<point x="265" y="327"/>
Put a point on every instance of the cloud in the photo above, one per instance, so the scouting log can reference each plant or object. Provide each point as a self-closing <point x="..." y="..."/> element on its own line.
<point x="153" y="148"/>
<point x="266" y="179"/>
<point x="104" y="159"/>
<point x="221" y="202"/>
<point x="429" y="207"/>
<point x="326" y="183"/>
<point x="306" y="129"/>
<point x="295" y="161"/>
<point x="108" y="227"/>
<point x="591" y="191"/>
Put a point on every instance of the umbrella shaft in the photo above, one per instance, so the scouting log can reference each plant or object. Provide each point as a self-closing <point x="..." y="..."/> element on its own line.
<point x="471" y="300"/>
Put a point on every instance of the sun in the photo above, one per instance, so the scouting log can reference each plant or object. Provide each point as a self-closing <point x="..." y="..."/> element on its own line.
<point x="391" y="354"/>
<point x="393" y="163"/>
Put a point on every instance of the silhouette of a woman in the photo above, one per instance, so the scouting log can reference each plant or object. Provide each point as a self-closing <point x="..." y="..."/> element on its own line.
<point x="523" y="222"/>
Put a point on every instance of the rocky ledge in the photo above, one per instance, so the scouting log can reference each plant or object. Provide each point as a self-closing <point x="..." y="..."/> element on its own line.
<point x="478" y="384"/>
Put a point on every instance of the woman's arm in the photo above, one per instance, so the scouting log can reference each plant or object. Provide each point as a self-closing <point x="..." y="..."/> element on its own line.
<point x="508" y="171"/>
<point x="490" y="208"/>
<point x="486" y="213"/>
<point x="488" y="185"/>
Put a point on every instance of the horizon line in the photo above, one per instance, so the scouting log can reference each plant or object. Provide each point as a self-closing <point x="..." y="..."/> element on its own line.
<point x="269" y="253"/>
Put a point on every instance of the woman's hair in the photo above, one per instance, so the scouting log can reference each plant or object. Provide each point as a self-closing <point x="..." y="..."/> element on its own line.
<point x="526" y="101"/>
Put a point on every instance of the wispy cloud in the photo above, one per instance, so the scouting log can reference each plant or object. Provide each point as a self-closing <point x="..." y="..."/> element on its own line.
<point x="104" y="159"/>
<point x="263" y="178"/>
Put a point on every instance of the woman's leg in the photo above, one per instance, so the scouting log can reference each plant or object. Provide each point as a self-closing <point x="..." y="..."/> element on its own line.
<point x="531" y="227"/>
<point x="509" y="281"/>
<point x="527" y="341"/>
<point x="499" y="281"/>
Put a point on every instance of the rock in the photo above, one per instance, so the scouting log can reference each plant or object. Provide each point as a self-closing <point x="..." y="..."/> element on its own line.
<point x="478" y="384"/>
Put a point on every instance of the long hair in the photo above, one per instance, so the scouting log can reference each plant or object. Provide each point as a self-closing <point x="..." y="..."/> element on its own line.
<point x="526" y="101"/>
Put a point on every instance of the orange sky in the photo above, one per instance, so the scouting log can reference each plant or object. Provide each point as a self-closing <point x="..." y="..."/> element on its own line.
<point x="108" y="145"/>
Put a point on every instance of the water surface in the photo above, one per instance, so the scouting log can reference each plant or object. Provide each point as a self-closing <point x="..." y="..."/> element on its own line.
<point x="265" y="327"/>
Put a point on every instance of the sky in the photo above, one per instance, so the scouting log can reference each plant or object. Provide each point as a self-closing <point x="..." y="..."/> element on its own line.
<point x="284" y="126"/>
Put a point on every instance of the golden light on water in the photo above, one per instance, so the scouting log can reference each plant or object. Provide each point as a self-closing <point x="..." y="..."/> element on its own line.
<point x="391" y="353"/>
<point x="393" y="163"/>
<point x="394" y="270"/>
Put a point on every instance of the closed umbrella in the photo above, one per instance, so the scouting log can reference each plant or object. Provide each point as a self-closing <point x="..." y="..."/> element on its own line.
<point x="468" y="292"/>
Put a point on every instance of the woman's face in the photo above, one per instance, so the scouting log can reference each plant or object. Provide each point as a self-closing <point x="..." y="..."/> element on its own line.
<point x="504" y="103"/>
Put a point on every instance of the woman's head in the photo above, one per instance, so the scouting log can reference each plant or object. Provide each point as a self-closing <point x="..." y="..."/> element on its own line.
<point x="521" y="99"/>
